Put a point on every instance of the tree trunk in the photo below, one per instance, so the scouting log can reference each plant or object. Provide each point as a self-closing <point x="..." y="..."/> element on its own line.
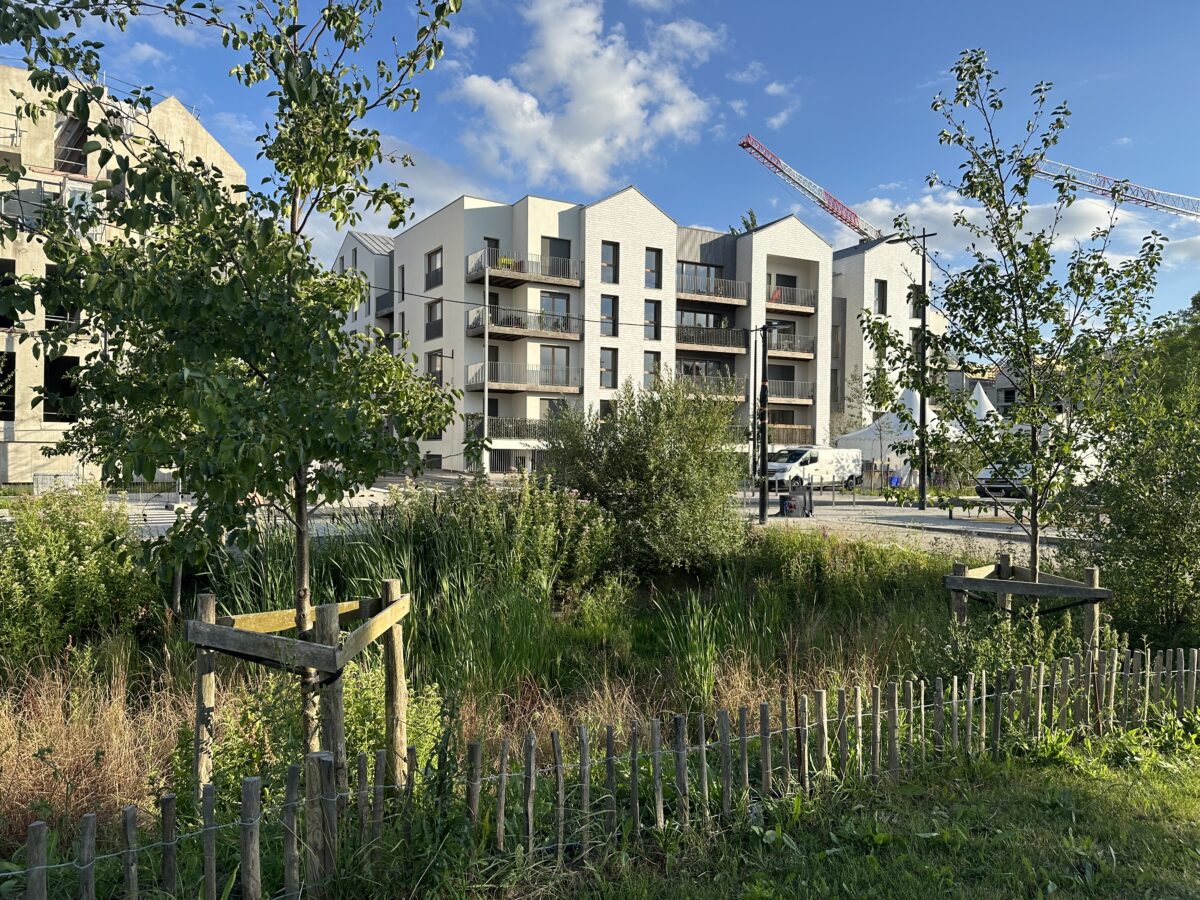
<point x="1035" y="501"/>
<point x="1035" y="536"/>
<point x="304" y="617"/>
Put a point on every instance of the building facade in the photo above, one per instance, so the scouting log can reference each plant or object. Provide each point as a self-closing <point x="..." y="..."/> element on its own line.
<point x="528" y="306"/>
<point x="871" y="279"/>
<point x="57" y="169"/>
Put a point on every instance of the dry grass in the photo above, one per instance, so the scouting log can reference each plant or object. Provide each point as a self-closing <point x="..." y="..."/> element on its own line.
<point x="76" y="740"/>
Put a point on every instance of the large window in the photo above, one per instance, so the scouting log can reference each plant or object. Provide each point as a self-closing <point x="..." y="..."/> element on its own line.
<point x="651" y="363"/>
<point x="653" y="328"/>
<point x="56" y="299"/>
<point x="608" y="367"/>
<point x="697" y="278"/>
<point x="433" y="320"/>
<point x="608" y="315"/>
<point x="433" y="365"/>
<point x="835" y="386"/>
<point x="354" y="258"/>
<point x="836" y="339"/>
<point x="700" y="319"/>
<point x="8" y="386"/>
<point x="59" y="387"/>
<point x="555" y="362"/>
<point x="610" y="262"/>
<point x="433" y="268"/>
<point x="653" y="268"/>
<point x="556" y="248"/>
<point x="880" y="297"/>
<point x="556" y="308"/>
<point x="8" y="276"/>
<point x="701" y="368"/>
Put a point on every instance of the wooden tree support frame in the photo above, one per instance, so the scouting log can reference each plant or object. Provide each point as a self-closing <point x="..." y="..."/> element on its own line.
<point x="1005" y="581"/>
<point x="253" y="637"/>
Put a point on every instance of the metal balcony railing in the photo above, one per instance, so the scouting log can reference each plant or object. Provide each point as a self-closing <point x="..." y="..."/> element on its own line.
<point x="531" y="376"/>
<point x="791" y="343"/>
<point x="789" y="434"/>
<point x="509" y="428"/>
<point x="433" y="330"/>
<point x="11" y="132"/>
<point x="385" y="302"/>
<point x="533" y="265"/>
<point x="792" y="390"/>
<point x="433" y="278"/>
<point x="523" y="320"/>
<point x="790" y="296"/>
<point x="724" y="385"/>
<point x="711" y="337"/>
<point x="720" y="288"/>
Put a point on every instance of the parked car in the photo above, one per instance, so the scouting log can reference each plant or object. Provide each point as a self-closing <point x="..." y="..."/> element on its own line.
<point x="792" y="467"/>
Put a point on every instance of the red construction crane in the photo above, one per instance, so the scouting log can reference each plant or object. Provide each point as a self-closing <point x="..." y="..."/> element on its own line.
<point x="809" y="189"/>
<point x="1179" y="204"/>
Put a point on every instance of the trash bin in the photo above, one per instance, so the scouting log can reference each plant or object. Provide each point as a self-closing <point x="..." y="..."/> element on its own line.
<point x="894" y="481"/>
<point x="787" y="506"/>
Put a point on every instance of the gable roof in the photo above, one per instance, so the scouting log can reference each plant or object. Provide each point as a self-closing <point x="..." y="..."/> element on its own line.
<point x="379" y="244"/>
<point x="634" y="188"/>
<point x="861" y="247"/>
<point x="774" y="222"/>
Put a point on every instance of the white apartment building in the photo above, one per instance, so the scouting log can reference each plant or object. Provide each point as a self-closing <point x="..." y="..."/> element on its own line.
<point x="871" y="278"/>
<point x="537" y="303"/>
<point x="57" y="170"/>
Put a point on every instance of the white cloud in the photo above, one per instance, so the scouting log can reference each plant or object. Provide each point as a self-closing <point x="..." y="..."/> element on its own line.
<point x="583" y="101"/>
<point x="1123" y="142"/>
<point x="776" y="89"/>
<point x="738" y="106"/>
<point x="748" y="74"/>
<point x="889" y="186"/>
<point x="780" y="118"/>
<point x="140" y="54"/>
<point x="235" y="127"/>
<point x="191" y="35"/>
<point x="687" y="39"/>
<point x="432" y="183"/>
<point x="460" y="37"/>
<point x="654" y="5"/>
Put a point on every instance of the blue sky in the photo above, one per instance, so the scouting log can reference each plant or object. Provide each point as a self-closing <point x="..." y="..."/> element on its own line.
<point x="575" y="98"/>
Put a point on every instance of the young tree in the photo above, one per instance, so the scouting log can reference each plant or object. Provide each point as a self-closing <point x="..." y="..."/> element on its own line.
<point x="215" y="342"/>
<point x="749" y="223"/>
<point x="662" y="463"/>
<point x="1054" y="324"/>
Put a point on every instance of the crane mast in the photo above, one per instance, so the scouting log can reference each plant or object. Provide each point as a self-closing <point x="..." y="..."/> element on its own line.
<point x="809" y="189"/>
<point x="1179" y="204"/>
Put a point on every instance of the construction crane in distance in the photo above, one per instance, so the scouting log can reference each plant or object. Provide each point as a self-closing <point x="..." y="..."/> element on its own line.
<point x="809" y="189"/>
<point x="1179" y="204"/>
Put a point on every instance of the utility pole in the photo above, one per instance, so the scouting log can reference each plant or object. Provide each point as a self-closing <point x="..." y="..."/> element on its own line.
<point x="762" y="430"/>
<point x="485" y="458"/>
<point x="922" y="441"/>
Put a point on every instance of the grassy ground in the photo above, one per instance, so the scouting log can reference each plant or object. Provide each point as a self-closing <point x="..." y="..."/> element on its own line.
<point x="1026" y="828"/>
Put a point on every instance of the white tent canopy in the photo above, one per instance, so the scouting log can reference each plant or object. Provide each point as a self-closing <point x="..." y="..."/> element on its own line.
<point x="981" y="406"/>
<point x="889" y="429"/>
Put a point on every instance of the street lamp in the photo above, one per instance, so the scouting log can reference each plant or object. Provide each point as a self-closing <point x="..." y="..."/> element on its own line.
<point x="762" y="427"/>
<point x="922" y="447"/>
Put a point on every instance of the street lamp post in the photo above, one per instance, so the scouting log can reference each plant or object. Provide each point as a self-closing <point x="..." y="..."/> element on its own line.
<point x="922" y="446"/>
<point x="762" y="428"/>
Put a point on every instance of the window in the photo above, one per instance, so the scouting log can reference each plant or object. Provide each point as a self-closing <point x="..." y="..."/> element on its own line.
<point x="493" y="408"/>
<point x="493" y="298"/>
<point x="653" y="326"/>
<point x="433" y="320"/>
<point x="1008" y="396"/>
<point x="653" y="268"/>
<point x="59" y="386"/>
<point x="552" y="407"/>
<point x="836" y="350"/>
<point x="354" y="258"/>
<point x="58" y="309"/>
<point x="785" y="281"/>
<point x="492" y="244"/>
<point x="781" y="373"/>
<point x="880" y="297"/>
<point x="555" y="365"/>
<point x="914" y="301"/>
<point x="608" y="367"/>
<point x="433" y="268"/>
<point x="8" y="276"/>
<point x="400" y="282"/>
<point x="700" y="319"/>
<point x="697" y="278"/>
<point x="608" y="315"/>
<point x="556" y="248"/>
<point x="8" y="387"/>
<point x="914" y="336"/>
<point x="341" y="265"/>
<point x="556" y="309"/>
<point x="433" y="365"/>
<point x="781" y="416"/>
<point x="651" y="363"/>
<point x="610" y="262"/>
<point x="835" y="386"/>
<point x="606" y="409"/>
<point x="701" y="368"/>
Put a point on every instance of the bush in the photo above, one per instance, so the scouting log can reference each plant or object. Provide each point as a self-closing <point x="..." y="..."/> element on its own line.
<point x="661" y="464"/>
<point x="67" y="575"/>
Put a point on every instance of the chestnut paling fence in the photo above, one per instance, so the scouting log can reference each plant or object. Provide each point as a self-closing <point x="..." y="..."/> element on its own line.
<point x="699" y="771"/>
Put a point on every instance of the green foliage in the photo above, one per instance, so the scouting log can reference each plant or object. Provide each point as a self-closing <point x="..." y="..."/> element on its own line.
<point x="690" y="642"/>
<point x="1140" y="519"/>
<point x="1056" y="327"/>
<point x="68" y="574"/>
<point x="660" y="464"/>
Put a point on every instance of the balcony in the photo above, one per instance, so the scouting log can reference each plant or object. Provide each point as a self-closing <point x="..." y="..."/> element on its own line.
<point x="512" y="324"/>
<point x="506" y="269"/>
<point x="385" y="302"/>
<point x="510" y="377"/>
<point x="726" y="387"/>
<point x="11" y="136"/>
<point x="713" y="290"/>
<point x="795" y="346"/>
<point x="789" y="435"/>
<point x="509" y="428"/>
<point x="723" y="340"/>
<point x="793" y="300"/>
<point x="433" y="278"/>
<point x="795" y="392"/>
<point x="433" y="330"/>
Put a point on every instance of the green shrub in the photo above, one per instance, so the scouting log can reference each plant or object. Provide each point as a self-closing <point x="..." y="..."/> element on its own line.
<point x="67" y="575"/>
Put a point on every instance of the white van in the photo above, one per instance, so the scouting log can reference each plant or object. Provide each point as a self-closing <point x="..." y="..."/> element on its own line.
<point x="793" y="466"/>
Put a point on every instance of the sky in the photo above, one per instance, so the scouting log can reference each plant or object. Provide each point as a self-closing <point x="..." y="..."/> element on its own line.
<point x="573" y="99"/>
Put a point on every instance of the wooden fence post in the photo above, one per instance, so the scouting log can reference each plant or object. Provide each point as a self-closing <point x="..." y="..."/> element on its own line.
<point x="251" y="865"/>
<point x="362" y="800"/>
<point x="822" y="714"/>
<point x="702" y="770"/>
<point x="909" y="722"/>
<point x="395" y="691"/>
<point x="802" y="746"/>
<point x="330" y="806"/>
<point x="1091" y="611"/>
<point x="858" y="729"/>
<point x="635" y="807"/>
<point x="208" y="839"/>
<point x="314" y="827"/>
<point x="610" y="780"/>
<point x="842" y="749"/>
<point x="585" y="788"/>
<point x="958" y="599"/>
<point x="129" y="854"/>
<point x="726" y="762"/>
<point x="291" y="835"/>
<point x="36" y="839"/>
<point x="939" y="717"/>
<point x="656" y="771"/>
<point x="332" y="702"/>
<point x="1037" y="700"/>
<point x="206" y="693"/>
<point x="169" y="877"/>
<point x="875" y="737"/>
<point x="785" y="749"/>
<point x="87" y="857"/>
<point x="969" y="716"/>
<point x="474" y="775"/>
<point x="1003" y="570"/>
<point x="954" y="738"/>
<point x="530" y="789"/>
<point x="744" y="746"/>
<point x="893" y="714"/>
<point x="681" y="772"/>
<point x="764" y="749"/>
<point x="501" y="795"/>
<point x="560" y="799"/>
